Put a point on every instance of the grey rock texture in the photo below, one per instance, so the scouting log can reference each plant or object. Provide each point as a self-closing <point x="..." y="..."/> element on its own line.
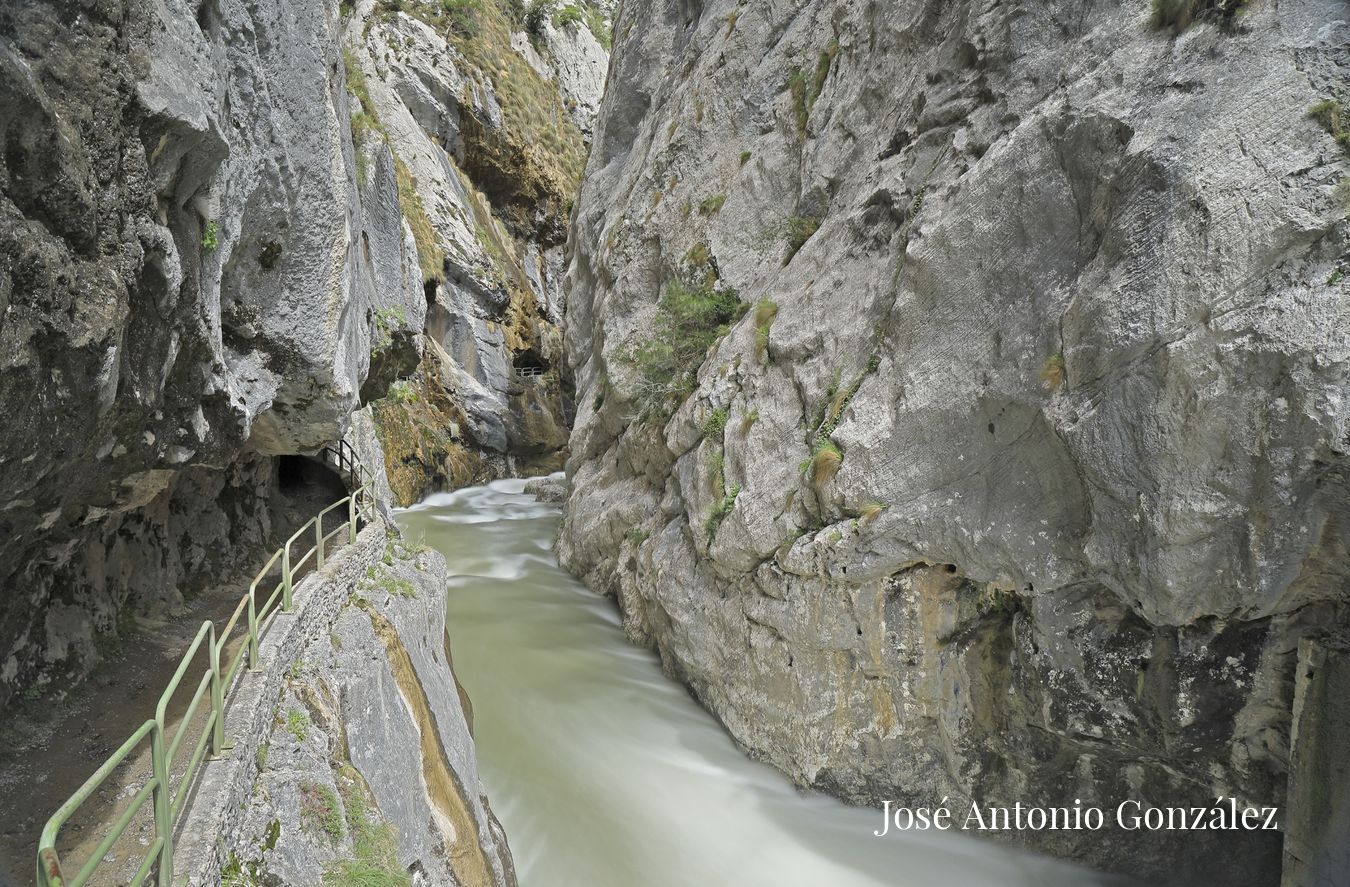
<point x="480" y="137"/>
<point x="226" y="226"/>
<point x="370" y="758"/>
<point x="189" y="271"/>
<point x="1065" y="290"/>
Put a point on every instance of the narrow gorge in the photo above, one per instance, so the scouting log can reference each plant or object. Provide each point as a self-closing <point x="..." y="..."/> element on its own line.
<point x="952" y="395"/>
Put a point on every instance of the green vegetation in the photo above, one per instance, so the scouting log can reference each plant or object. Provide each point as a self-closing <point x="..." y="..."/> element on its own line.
<point x="709" y="206"/>
<point x="462" y="16"/>
<point x="261" y="757"/>
<point x="293" y="673"/>
<point x="237" y="873"/>
<point x="804" y="94"/>
<point x="823" y="65"/>
<point x="374" y="860"/>
<point x="1342" y="192"/>
<point x="1177" y="15"/>
<point x="1335" y="119"/>
<point x="716" y="423"/>
<point x="765" y="312"/>
<point x="386" y="321"/>
<point x="402" y="391"/>
<point x="430" y="256"/>
<point x="211" y="236"/>
<point x="796" y="231"/>
<point x="297" y="724"/>
<point x="689" y="320"/>
<point x="637" y="535"/>
<point x="745" y="157"/>
<point x="721" y="510"/>
<point x="750" y="419"/>
<point x="392" y="585"/>
<point x="1052" y="373"/>
<point x="319" y="809"/>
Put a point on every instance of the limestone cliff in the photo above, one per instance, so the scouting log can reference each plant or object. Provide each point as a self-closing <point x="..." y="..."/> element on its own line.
<point x="961" y="396"/>
<point x="226" y="226"/>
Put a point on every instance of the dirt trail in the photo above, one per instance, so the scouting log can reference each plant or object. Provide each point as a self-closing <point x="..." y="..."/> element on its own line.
<point x="48" y="750"/>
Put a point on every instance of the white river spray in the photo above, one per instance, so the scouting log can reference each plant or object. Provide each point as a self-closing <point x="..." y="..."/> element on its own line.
<point x="605" y="773"/>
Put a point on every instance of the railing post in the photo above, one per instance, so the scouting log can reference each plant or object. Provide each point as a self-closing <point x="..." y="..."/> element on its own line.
<point x="286" y="579"/>
<point x="163" y="800"/>
<point x="318" y="540"/>
<point x="217" y="697"/>
<point x="351" y="518"/>
<point x="253" y="628"/>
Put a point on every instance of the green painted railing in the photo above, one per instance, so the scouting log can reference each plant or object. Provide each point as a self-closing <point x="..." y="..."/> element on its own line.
<point x="159" y="788"/>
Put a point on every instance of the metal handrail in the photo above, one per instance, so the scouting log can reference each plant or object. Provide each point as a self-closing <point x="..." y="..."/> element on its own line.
<point x="169" y="804"/>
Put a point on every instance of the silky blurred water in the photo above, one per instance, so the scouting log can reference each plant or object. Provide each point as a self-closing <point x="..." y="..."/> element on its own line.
<point x="607" y="774"/>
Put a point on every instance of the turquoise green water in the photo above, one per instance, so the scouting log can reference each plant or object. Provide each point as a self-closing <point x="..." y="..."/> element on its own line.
<point x="607" y="774"/>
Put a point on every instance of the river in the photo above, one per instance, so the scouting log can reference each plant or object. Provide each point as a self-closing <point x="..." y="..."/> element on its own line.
<point x="605" y="773"/>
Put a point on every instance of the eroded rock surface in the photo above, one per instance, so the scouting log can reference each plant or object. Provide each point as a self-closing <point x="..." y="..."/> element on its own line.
<point x="1025" y="472"/>
<point x="370" y="764"/>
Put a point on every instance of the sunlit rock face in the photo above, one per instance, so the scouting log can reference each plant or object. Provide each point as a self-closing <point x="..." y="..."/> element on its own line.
<point x="1023" y="475"/>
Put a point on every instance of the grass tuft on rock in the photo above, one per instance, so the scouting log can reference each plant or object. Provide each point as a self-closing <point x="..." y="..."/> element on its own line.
<point x="825" y="463"/>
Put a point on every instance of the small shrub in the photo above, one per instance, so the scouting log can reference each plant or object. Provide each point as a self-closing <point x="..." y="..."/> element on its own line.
<point x="462" y="16"/>
<point x="402" y="392"/>
<point x="211" y="236"/>
<point x="750" y="419"/>
<point x="260" y="758"/>
<point x="745" y="157"/>
<point x="709" y="206"/>
<point x="731" y="21"/>
<point x="637" y="535"/>
<point x="716" y="423"/>
<point x="297" y="724"/>
<point x="825" y="463"/>
<point x="1052" y="374"/>
<point x="689" y="320"/>
<point x="599" y="27"/>
<point x="721" y="510"/>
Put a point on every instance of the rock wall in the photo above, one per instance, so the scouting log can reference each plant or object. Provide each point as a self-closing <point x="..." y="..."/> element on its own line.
<point x="482" y="120"/>
<point x="369" y="769"/>
<point x="224" y="226"/>
<point x="1021" y="472"/>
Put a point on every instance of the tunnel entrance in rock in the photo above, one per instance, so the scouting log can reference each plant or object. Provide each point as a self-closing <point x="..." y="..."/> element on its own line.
<point x="304" y="487"/>
<point x="529" y="364"/>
